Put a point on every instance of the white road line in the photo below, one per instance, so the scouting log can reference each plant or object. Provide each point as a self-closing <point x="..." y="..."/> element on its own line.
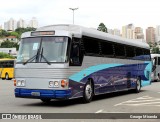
<point x="117" y="112"/>
<point x="142" y="101"/>
<point x="102" y="111"/>
<point x="143" y="104"/>
<point x="129" y="101"/>
<point x="99" y="111"/>
<point x="145" y="97"/>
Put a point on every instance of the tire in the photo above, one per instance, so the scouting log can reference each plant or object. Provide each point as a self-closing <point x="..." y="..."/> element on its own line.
<point x="138" y="86"/>
<point x="88" y="92"/>
<point x="7" y="76"/>
<point x="46" y="100"/>
<point x="158" y="77"/>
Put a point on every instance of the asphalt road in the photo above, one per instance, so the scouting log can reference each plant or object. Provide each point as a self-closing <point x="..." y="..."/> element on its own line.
<point x="147" y="101"/>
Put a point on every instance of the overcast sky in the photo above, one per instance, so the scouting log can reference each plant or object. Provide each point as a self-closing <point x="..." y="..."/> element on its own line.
<point x="113" y="13"/>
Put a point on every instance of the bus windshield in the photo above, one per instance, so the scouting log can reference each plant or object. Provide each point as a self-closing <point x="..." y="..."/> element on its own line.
<point x="43" y="49"/>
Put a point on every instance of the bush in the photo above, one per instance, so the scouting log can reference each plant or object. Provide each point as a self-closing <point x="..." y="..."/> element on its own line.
<point x="5" y="55"/>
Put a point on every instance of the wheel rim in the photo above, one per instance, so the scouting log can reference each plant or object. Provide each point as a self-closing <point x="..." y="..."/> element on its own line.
<point x="138" y="85"/>
<point x="6" y="76"/>
<point x="158" y="77"/>
<point x="88" y="91"/>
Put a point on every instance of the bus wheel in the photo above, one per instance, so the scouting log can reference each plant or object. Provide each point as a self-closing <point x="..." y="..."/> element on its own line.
<point x="138" y="85"/>
<point x="7" y="76"/>
<point x="88" y="92"/>
<point x="46" y="100"/>
<point x="158" y="79"/>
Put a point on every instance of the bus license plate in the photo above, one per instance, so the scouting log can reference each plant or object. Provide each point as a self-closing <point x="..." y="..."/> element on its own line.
<point x="35" y="93"/>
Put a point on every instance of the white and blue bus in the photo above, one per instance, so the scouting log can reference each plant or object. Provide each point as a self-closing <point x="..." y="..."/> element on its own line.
<point x="70" y="61"/>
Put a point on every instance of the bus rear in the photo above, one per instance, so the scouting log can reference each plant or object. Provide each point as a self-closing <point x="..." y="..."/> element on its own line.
<point x="7" y="68"/>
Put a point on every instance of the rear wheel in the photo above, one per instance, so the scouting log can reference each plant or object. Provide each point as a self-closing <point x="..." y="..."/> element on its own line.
<point x="158" y="77"/>
<point x="88" y="92"/>
<point x="138" y="86"/>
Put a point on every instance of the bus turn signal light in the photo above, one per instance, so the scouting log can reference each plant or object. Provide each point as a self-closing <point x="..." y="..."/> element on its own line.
<point x="14" y="81"/>
<point x="64" y="83"/>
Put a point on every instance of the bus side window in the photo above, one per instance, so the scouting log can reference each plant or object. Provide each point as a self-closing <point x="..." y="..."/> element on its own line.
<point x="158" y="60"/>
<point x="75" y="54"/>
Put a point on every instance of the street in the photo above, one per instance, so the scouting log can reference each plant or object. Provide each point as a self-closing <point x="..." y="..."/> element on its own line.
<point x="147" y="101"/>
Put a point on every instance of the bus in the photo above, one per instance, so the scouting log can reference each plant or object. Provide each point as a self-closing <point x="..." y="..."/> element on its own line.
<point x="7" y="68"/>
<point x="71" y="61"/>
<point x="155" y="76"/>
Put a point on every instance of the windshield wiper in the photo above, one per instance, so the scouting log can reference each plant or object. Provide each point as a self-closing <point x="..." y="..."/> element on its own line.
<point x="44" y="57"/>
<point x="32" y="58"/>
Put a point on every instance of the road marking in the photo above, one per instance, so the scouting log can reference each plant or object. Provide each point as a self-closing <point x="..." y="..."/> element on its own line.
<point x="141" y="101"/>
<point x="150" y="103"/>
<point x="102" y="111"/>
<point x="99" y="111"/>
<point x="145" y="97"/>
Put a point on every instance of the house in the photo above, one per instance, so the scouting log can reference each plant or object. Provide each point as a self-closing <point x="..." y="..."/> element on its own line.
<point x="11" y="38"/>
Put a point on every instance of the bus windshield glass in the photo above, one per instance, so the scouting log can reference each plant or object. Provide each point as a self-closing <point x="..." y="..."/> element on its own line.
<point x="43" y="49"/>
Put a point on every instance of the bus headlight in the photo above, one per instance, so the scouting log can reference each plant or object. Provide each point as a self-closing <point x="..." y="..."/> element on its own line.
<point x="53" y="84"/>
<point x="21" y="83"/>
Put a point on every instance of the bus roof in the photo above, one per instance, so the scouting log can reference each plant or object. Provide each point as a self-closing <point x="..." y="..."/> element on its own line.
<point x="79" y="31"/>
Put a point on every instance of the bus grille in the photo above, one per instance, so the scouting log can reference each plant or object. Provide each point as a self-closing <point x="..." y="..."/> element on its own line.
<point x="45" y="73"/>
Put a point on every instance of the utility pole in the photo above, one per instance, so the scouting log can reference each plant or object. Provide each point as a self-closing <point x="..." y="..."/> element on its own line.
<point x="73" y="9"/>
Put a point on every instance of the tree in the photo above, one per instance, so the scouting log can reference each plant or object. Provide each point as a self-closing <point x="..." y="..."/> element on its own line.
<point x="102" y="27"/>
<point x="22" y="30"/>
<point x="15" y="34"/>
<point x="4" y="33"/>
<point x="9" y="44"/>
<point x="155" y="50"/>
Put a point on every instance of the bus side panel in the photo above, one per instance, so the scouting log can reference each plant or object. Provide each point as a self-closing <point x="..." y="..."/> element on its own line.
<point x="110" y="77"/>
<point x="147" y="74"/>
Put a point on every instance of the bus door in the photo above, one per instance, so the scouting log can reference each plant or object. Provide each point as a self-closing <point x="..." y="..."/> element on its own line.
<point x="158" y="68"/>
<point x="154" y="68"/>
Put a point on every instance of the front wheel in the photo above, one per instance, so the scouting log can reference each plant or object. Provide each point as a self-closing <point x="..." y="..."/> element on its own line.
<point x="88" y="92"/>
<point x="138" y="85"/>
<point x="158" y="77"/>
<point x="7" y="76"/>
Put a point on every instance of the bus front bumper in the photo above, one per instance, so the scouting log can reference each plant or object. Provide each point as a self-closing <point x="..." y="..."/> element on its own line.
<point x="42" y="93"/>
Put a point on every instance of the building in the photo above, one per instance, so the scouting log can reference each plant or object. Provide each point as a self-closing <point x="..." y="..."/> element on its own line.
<point x="139" y="33"/>
<point x="33" y="23"/>
<point x="0" y="26"/>
<point x="150" y="35"/>
<point x="21" y="23"/>
<point x="157" y="34"/>
<point x="128" y="31"/>
<point x="11" y="38"/>
<point x="10" y="25"/>
<point x="114" y="32"/>
<point x="124" y="31"/>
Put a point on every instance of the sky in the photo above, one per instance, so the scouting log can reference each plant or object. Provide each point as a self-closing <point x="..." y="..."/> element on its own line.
<point x="90" y="13"/>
